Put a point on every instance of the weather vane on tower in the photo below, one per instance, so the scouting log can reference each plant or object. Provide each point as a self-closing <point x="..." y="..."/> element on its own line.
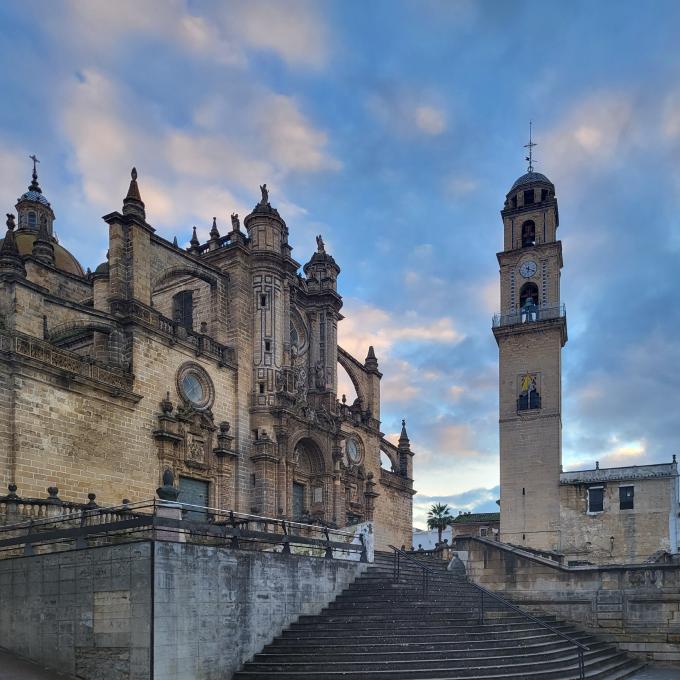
<point x="530" y="146"/>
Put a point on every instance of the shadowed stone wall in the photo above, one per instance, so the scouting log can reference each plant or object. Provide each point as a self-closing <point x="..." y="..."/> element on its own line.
<point x="92" y="613"/>
<point x="635" y="606"/>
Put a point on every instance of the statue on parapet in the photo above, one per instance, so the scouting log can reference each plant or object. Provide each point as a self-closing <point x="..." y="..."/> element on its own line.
<point x="265" y="194"/>
<point x="320" y="246"/>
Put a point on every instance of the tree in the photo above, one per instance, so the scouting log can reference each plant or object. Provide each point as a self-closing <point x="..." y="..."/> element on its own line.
<point x="439" y="517"/>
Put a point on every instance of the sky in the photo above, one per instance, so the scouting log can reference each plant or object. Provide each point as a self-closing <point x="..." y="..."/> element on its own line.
<point x="394" y="129"/>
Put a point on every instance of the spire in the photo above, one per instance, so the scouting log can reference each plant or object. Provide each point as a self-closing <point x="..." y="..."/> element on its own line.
<point x="10" y="260"/>
<point x="133" y="204"/>
<point x="43" y="249"/>
<point x="34" y="186"/>
<point x="214" y="232"/>
<point x="371" y="363"/>
<point x="403" y="437"/>
<point x="194" y="243"/>
<point x="530" y="146"/>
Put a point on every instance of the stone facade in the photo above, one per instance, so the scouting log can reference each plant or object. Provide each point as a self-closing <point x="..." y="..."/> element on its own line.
<point x="218" y="362"/>
<point x="619" y="515"/>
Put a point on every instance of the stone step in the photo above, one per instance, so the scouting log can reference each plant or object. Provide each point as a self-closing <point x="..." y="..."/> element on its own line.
<point x="565" y="668"/>
<point x="342" y="645"/>
<point x="545" y="649"/>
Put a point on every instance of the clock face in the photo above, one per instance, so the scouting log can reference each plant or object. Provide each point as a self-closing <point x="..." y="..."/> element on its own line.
<point x="353" y="452"/>
<point x="528" y="269"/>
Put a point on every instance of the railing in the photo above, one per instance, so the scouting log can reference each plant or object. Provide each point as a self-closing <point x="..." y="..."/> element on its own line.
<point x="399" y="554"/>
<point x="181" y="522"/>
<point x="529" y="315"/>
<point x="580" y="648"/>
<point x="201" y="343"/>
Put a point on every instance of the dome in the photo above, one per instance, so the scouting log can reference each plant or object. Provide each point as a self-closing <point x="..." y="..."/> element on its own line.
<point x="530" y="178"/>
<point x="35" y="196"/>
<point x="62" y="258"/>
<point x="103" y="268"/>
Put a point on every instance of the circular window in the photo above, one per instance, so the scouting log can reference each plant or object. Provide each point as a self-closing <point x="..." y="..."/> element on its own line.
<point x="353" y="449"/>
<point x="195" y="386"/>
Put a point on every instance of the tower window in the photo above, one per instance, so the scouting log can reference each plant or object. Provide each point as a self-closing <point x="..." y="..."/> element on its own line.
<point x="32" y="219"/>
<point x="626" y="497"/>
<point x="528" y="234"/>
<point x="267" y="345"/>
<point x="261" y="388"/>
<point x="529" y="197"/>
<point x="595" y="499"/>
<point x="528" y="295"/>
<point x="183" y="308"/>
<point x="544" y="195"/>
<point x="263" y="300"/>
<point x="529" y="397"/>
<point x="514" y="201"/>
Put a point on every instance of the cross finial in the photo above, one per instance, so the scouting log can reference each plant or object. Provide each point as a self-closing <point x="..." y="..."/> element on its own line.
<point x="530" y="146"/>
<point x="35" y="160"/>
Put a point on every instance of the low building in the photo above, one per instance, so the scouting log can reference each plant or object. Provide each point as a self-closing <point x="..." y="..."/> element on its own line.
<point x="623" y="514"/>
<point x="484" y="524"/>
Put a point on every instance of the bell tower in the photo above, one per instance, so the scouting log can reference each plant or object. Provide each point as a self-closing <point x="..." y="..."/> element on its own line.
<point x="530" y="330"/>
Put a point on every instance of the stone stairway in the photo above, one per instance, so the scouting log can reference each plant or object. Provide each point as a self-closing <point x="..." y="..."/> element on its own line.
<point x="378" y="629"/>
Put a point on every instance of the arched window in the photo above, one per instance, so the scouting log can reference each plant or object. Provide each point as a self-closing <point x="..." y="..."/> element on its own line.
<point x="528" y="290"/>
<point x="32" y="219"/>
<point x="183" y="308"/>
<point x="528" y="234"/>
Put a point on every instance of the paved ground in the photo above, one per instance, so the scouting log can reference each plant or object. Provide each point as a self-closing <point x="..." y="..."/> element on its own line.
<point x="658" y="674"/>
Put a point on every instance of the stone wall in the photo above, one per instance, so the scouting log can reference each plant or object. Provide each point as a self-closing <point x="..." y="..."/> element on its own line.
<point x="216" y="608"/>
<point x="85" y="612"/>
<point x="393" y="511"/>
<point x="617" y="535"/>
<point x="635" y="606"/>
<point x="93" y="612"/>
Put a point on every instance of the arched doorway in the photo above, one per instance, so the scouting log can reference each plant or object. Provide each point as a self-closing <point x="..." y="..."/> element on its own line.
<point x="308" y="490"/>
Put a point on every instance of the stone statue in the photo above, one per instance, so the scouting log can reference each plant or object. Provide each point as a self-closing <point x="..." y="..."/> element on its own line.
<point x="321" y="248"/>
<point x="319" y="375"/>
<point x="235" y="224"/>
<point x="265" y="194"/>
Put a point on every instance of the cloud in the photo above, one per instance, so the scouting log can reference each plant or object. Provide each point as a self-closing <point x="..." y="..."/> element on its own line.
<point x="456" y="186"/>
<point x="430" y="120"/>
<point x="592" y="135"/>
<point x="366" y="324"/>
<point x="190" y="173"/>
<point x="399" y="111"/>
<point x="292" y="30"/>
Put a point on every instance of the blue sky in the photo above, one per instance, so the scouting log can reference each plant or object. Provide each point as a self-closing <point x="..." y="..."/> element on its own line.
<point x="394" y="129"/>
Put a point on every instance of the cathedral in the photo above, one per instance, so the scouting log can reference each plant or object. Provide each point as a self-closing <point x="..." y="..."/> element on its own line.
<point x="217" y="362"/>
<point x="624" y="514"/>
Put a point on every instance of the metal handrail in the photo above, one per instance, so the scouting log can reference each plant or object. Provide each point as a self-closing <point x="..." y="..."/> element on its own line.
<point x="219" y="524"/>
<point x="398" y="554"/>
<point x="580" y="648"/>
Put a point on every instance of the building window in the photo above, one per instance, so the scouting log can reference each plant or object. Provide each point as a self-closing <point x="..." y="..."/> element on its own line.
<point x="183" y="308"/>
<point x="528" y="234"/>
<point x="267" y="345"/>
<point x="544" y="195"/>
<point x="529" y="197"/>
<point x="595" y="499"/>
<point x="529" y="396"/>
<point x="626" y="497"/>
<point x="261" y="388"/>
<point x="32" y="219"/>
<point x="483" y="532"/>
<point x="263" y="300"/>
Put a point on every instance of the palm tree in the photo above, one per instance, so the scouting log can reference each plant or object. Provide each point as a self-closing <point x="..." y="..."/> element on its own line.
<point x="439" y="517"/>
